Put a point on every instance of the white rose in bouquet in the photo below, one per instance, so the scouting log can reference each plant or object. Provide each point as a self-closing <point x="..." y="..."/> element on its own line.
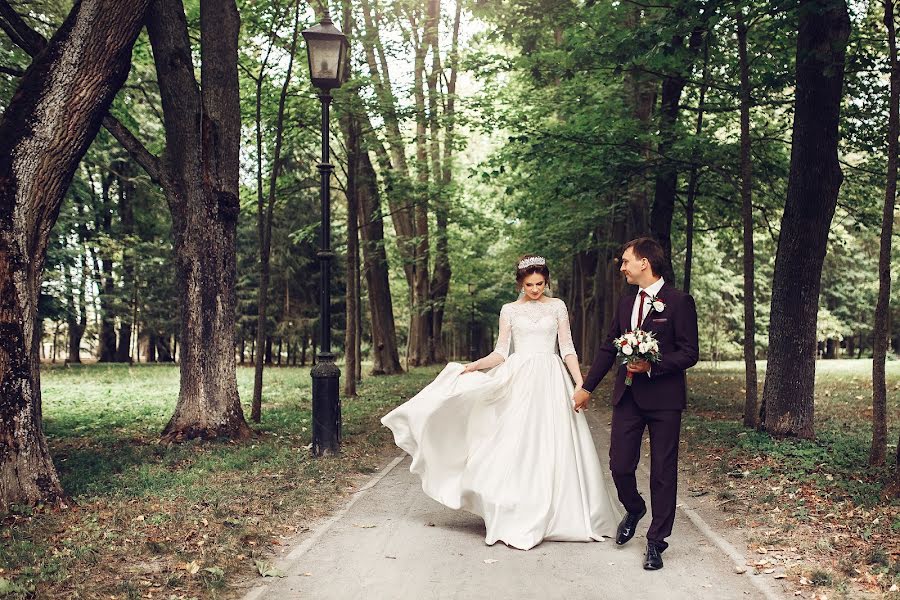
<point x="627" y="350"/>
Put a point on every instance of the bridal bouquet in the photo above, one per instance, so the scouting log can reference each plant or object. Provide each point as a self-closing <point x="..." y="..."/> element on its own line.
<point x="634" y="346"/>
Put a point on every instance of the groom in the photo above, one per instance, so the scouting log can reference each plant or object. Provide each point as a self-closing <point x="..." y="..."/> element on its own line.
<point x="656" y="397"/>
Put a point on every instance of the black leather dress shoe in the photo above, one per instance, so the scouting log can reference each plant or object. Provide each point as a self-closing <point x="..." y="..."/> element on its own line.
<point x="628" y="525"/>
<point x="653" y="561"/>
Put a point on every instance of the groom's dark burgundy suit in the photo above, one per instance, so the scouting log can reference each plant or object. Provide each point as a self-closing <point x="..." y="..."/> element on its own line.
<point x="654" y="401"/>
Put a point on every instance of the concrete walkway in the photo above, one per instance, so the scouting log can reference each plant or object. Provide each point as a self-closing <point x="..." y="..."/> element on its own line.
<point x="393" y="542"/>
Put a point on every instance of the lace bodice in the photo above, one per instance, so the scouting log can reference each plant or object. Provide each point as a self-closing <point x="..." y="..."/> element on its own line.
<point x="534" y="327"/>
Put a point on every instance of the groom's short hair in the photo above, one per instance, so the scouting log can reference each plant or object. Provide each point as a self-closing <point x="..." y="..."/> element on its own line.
<point x="647" y="247"/>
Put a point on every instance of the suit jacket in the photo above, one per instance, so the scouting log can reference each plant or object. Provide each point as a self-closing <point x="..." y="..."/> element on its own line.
<point x="675" y="329"/>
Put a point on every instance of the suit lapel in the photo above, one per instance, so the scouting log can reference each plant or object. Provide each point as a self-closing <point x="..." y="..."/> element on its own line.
<point x="662" y="296"/>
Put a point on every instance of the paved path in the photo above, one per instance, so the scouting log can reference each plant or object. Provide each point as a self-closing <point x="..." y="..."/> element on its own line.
<point x="393" y="542"/>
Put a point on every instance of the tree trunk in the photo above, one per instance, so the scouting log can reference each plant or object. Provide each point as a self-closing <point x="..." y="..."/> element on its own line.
<point x="666" y="188"/>
<point x="750" y="383"/>
<point x="813" y="183"/>
<point x="385" y="355"/>
<point x="164" y="351"/>
<point x="56" y="112"/>
<point x="264" y="222"/>
<point x="126" y="216"/>
<point x="76" y="318"/>
<point x="404" y="199"/>
<point x="199" y="173"/>
<point x="55" y="342"/>
<point x="666" y="174"/>
<point x="351" y="335"/>
<point x="151" y="347"/>
<point x="350" y="127"/>
<point x="303" y="349"/>
<point x="107" y="339"/>
<point x="878" y="450"/>
<point x="442" y="168"/>
<point x="694" y="177"/>
<point x="420" y="333"/>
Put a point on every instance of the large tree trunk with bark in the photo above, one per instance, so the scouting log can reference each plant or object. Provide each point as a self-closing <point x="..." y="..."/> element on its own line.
<point x="750" y="383"/>
<point x="878" y="451"/>
<point x="45" y="131"/>
<point x="385" y="356"/>
<point x="813" y="183"/>
<point x="199" y="173"/>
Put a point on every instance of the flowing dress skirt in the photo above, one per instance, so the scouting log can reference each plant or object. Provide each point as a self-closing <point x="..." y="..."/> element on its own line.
<point x="507" y="446"/>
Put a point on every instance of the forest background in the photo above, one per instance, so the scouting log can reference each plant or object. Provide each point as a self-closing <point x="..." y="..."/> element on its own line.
<point x="757" y="141"/>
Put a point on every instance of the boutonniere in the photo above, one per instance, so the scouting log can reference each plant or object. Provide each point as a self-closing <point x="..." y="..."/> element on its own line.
<point x="657" y="303"/>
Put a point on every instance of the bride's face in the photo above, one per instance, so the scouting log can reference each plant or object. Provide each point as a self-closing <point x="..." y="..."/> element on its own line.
<point x="533" y="285"/>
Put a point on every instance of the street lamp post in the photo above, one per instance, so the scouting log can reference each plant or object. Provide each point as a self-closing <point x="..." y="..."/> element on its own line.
<point x="326" y="49"/>
<point x="472" y="349"/>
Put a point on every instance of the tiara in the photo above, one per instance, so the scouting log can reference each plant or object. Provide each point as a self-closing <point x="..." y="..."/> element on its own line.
<point x="531" y="261"/>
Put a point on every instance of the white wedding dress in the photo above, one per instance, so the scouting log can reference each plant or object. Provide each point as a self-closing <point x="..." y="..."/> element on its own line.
<point x="506" y="444"/>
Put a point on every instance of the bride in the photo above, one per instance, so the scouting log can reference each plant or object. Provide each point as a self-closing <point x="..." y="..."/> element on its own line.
<point x="500" y="438"/>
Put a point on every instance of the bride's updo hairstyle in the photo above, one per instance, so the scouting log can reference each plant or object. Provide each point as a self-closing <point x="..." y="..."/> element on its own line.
<point x="530" y="264"/>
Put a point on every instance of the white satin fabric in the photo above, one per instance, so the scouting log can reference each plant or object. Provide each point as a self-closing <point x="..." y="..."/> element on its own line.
<point x="506" y="444"/>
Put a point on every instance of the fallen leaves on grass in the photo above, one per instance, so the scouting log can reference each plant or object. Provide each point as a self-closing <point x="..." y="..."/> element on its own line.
<point x="267" y="570"/>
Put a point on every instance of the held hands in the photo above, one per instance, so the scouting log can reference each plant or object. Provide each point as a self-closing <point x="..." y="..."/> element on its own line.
<point x="638" y="366"/>
<point x="581" y="399"/>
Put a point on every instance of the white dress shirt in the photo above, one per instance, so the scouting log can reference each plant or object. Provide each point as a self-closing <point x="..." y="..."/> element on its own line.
<point x="651" y="290"/>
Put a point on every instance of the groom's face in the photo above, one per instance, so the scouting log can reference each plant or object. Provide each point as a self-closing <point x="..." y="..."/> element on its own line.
<point x="633" y="267"/>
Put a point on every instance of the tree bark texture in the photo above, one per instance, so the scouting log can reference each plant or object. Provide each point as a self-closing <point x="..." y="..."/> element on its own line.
<point x="46" y="130"/>
<point x="813" y="183"/>
<point x="199" y="173"/>
<point x="385" y="355"/>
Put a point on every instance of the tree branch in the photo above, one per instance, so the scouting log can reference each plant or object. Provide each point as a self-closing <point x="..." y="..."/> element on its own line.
<point x="148" y="161"/>
<point x="19" y="31"/>
<point x="33" y="43"/>
<point x="14" y="72"/>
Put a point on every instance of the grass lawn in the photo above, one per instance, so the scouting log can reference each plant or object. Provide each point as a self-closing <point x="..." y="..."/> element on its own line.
<point x="182" y="521"/>
<point x="816" y="511"/>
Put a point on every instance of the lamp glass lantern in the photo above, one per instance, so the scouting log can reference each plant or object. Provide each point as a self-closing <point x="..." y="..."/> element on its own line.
<point x="327" y="50"/>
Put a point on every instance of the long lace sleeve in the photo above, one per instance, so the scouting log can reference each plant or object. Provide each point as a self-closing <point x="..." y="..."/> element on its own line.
<point x="564" y="332"/>
<point x="505" y="336"/>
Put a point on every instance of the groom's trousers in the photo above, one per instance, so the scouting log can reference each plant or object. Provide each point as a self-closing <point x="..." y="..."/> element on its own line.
<point x="628" y="423"/>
